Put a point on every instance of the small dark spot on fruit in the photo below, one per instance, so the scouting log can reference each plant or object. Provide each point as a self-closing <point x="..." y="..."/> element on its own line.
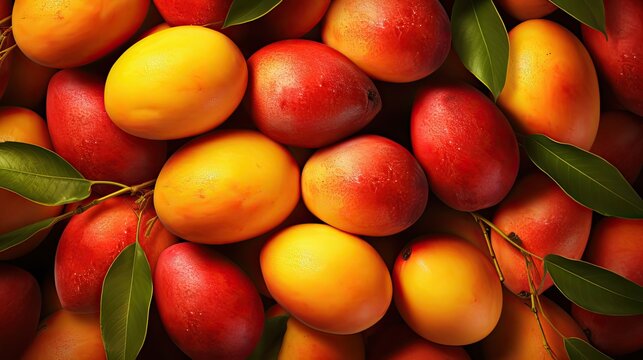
<point x="372" y="95"/>
<point x="515" y="238"/>
<point x="406" y="253"/>
<point x="523" y="294"/>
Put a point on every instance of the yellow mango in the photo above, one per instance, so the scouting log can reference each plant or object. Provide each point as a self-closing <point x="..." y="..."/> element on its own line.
<point x="551" y="85"/>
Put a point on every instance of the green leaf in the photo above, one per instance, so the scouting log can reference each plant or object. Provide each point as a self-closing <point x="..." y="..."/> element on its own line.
<point x="589" y="12"/>
<point x="125" y="304"/>
<point x="594" y="288"/>
<point x="579" y="349"/>
<point x="40" y="175"/>
<point x="271" y="338"/>
<point x="587" y="178"/>
<point x="18" y="236"/>
<point x="243" y="11"/>
<point x="480" y="39"/>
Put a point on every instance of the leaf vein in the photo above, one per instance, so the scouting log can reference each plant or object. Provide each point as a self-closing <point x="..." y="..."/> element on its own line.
<point x="587" y="176"/>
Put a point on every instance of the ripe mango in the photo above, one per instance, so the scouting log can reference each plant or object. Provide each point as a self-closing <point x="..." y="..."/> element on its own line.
<point x="465" y="145"/>
<point x="619" y="58"/>
<point x="551" y="85"/>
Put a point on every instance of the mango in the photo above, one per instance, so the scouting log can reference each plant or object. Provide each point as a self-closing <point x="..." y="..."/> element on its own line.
<point x="23" y="125"/>
<point x="619" y="58"/>
<point x="175" y="83"/>
<point x="329" y="280"/>
<point x="526" y="9"/>
<point x="64" y="34"/>
<point x="27" y="84"/>
<point x="465" y="145"/>
<point x="307" y="94"/>
<point x="66" y="335"/>
<point x="620" y="141"/>
<point x="291" y="19"/>
<point x="226" y="186"/>
<point x="615" y="244"/>
<point x="396" y="341"/>
<point x="83" y="134"/>
<point x="551" y="85"/>
<point x="441" y="219"/>
<point x="303" y="342"/>
<point x="546" y="221"/>
<point x="99" y="234"/>
<point x="209" y="307"/>
<point x="367" y="185"/>
<point x="194" y="12"/>
<point x="517" y="335"/>
<point x="20" y="310"/>
<point x="446" y="290"/>
<point x="396" y="40"/>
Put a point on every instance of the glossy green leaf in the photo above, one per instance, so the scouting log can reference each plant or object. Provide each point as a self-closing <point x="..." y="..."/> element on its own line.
<point x="271" y="338"/>
<point x="589" y="12"/>
<point x="480" y="39"/>
<point x="40" y="175"/>
<point x="125" y="304"/>
<point x="578" y="349"/>
<point x="18" y="236"/>
<point x="594" y="288"/>
<point x="587" y="178"/>
<point x="243" y="11"/>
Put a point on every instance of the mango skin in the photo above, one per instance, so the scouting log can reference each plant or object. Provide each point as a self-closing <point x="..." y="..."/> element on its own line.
<point x="71" y="33"/>
<point x="194" y="12"/>
<point x="367" y="185"/>
<point x="551" y="85"/>
<point x="291" y="19"/>
<point x="27" y="83"/>
<point x="83" y="134"/>
<point x="546" y="220"/>
<point x="330" y="280"/>
<point x="395" y="41"/>
<point x="209" y="307"/>
<point x="619" y="58"/>
<point x="100" y="234"/>
<point x="303" y="342"/>
<point x="175" y="83"/>
<point x="23" y="125"/>
<point x="465" y="145"/>
<point x="446" y="290"/>
<point x="527" y="9"/>
<point x="398" y="342"/>
<point x="517" y="335"/>
<point x="620" y="141"/>
<point x="441" y="219"/>
<point x="615" y="244"/>
<point x="158" y="345"/>
<point x="226" y="186"/>
<point x="307" y="94"/>
<point x="66" y="335"/>
<point x="20" y="310"/>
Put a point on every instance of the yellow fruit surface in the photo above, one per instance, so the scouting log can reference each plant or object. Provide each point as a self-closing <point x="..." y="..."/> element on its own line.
<point x="551" y="85"/>
<point x="70" y="33"/>
<point x="175" y="83"/>
<point x="446" y="290"/>
<point x="330" y="280"/>
<point x="226" y="186"/>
